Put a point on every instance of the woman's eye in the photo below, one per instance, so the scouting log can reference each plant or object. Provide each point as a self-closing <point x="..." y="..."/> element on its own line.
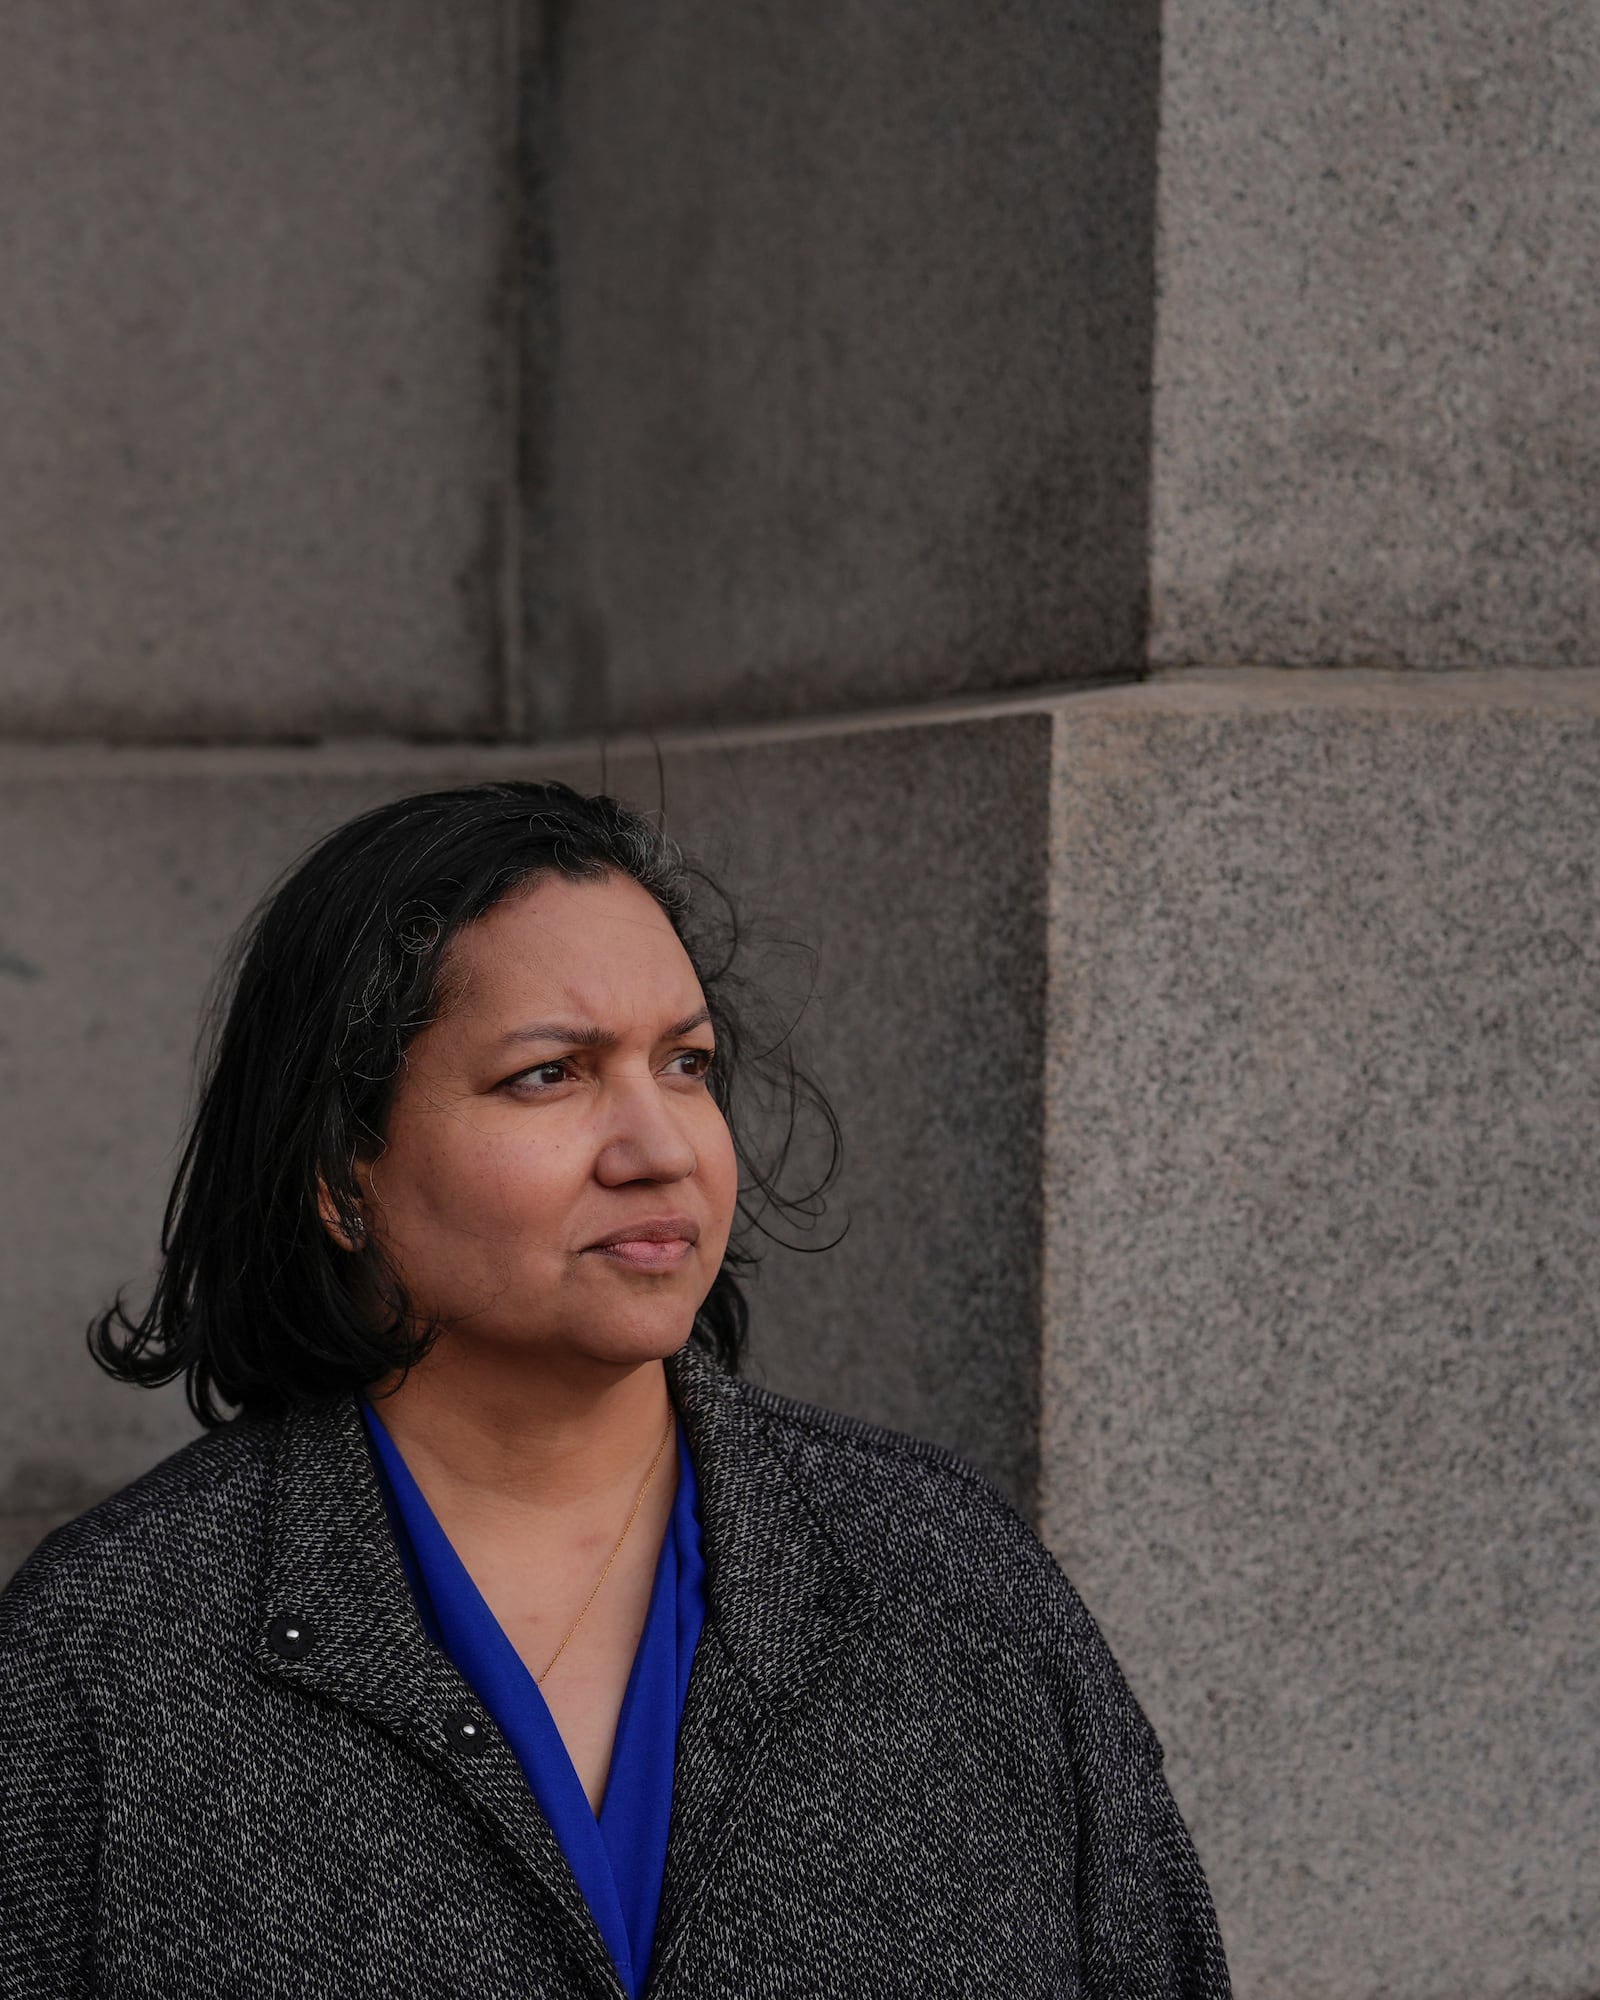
<point x="693" y="1063"/>
<point x="542" y="1076"/>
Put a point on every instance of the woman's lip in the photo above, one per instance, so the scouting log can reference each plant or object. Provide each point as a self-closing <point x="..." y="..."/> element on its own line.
<point x="647" y="1254"/>
<point x="650" y="1229"/>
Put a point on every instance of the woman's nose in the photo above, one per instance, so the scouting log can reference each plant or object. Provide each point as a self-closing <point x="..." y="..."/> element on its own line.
<point x="644" y="1140"/>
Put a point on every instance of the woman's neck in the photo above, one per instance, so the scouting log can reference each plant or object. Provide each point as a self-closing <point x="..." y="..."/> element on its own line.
<point x="497" y="1433"/>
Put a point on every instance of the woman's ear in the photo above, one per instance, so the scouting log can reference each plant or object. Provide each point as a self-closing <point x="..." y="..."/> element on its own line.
<point x="349" y="1231"/>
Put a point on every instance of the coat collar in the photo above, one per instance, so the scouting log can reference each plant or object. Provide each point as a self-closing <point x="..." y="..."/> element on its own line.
<point x="783" y="1607"/>
<point x="336" y="1621"/>
<point x="782" y="1603"/>
<point x="780" y="1594"/>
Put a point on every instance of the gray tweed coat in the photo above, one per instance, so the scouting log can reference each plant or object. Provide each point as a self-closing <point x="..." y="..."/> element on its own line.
<point x="232" y="1764"/>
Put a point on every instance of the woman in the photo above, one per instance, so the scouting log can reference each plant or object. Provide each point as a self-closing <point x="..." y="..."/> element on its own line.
<point x="504" y="1642"/>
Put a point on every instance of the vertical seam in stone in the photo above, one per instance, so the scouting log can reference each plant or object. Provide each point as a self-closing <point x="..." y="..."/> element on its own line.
<point x="511" y="718"/>
<point x="1041" y="1347"/>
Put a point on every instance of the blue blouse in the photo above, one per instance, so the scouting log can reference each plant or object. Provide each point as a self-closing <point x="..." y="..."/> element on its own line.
<point x="617" y="1858"/>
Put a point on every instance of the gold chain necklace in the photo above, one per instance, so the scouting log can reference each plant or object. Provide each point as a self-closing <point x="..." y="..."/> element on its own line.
<point x="539" y="1679"/>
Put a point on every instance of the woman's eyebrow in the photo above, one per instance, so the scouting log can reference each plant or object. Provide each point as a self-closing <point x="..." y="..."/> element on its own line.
<point x="597" y="1038"/>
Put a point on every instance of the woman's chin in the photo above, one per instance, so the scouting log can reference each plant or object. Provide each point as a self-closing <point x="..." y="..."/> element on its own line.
<point x="650" y="1341"/>
<point x="622" y="1339"/>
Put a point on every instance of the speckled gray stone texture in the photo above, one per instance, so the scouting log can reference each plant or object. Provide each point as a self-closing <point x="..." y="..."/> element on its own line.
<point x="909" y="862"/>
<point x="1321" y="1394"/>
<point x="848" y="395"/>
<point x="250" y="435"/>
<point x="1376" y="438"/>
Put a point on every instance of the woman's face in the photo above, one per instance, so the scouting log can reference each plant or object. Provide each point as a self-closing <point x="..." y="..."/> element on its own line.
<point x="556" y="1175"/>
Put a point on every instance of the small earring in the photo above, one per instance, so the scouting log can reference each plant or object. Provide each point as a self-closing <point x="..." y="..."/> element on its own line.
<point x="356" y="1230"/>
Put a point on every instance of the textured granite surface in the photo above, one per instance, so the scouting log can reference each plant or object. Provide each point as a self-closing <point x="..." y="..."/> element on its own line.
<point x="848" y="393"/>
<point x="250" y="453"/>
<point x="1379" y="266"/>
<point x="910" y="863"/>
<point x="1320" y="1384"/>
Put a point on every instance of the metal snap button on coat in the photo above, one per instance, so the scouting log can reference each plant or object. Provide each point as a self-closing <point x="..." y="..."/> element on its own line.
<point x="466" y="1732"/>
<point x="289" y="1636"/>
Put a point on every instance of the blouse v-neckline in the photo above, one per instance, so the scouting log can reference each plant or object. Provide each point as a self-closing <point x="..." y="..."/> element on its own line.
<point x="618" y="1855"/>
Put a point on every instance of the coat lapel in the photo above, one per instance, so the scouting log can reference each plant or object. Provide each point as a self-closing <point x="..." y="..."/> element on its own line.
<point x="782" y="1604"/>
<point x="336" y="1621"/>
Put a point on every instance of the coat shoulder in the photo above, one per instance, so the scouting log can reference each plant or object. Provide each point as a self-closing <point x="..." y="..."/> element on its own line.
<point x="170" y="1528"/>
<point x="932" y="1530"/>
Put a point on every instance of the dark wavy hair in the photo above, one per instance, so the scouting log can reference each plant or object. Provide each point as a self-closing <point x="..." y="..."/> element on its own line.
<point x="324" y="989"/>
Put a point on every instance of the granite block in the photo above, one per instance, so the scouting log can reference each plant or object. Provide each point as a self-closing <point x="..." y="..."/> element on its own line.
<point x="844" y="383"/>
<point x="1320" y="1388"/>
<point x="1379" y="300"/>
<point x="892" y="889"/>
<point x="250" y="396"/>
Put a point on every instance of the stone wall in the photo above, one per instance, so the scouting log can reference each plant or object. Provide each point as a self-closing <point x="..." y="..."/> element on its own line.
<point x="853" y="324"/>
<point x="1379" y="268"/>
<point x="847" y="396"/>
<point x="252" y="390"/>
<point x="1322" y="1085"/>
